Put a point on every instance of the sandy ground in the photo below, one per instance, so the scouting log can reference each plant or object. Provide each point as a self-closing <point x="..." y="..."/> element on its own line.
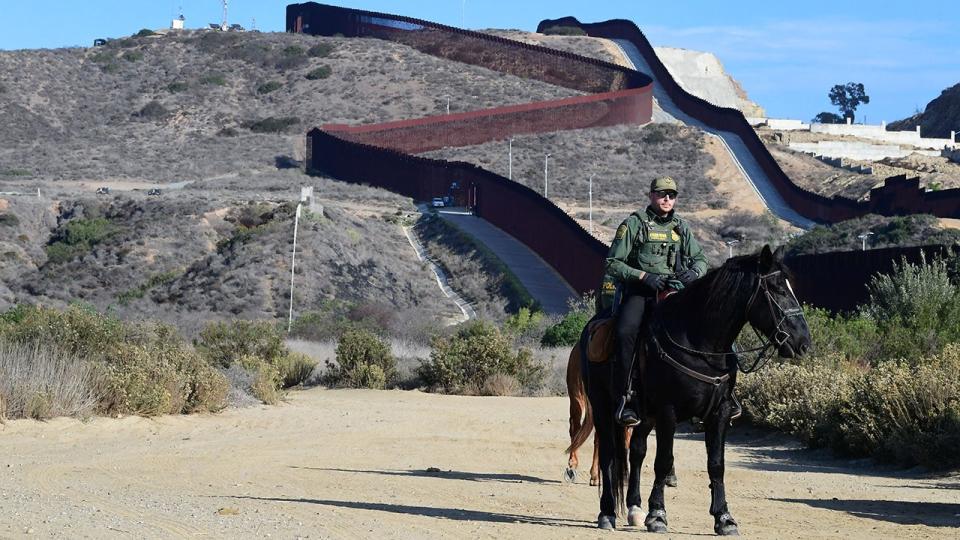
<point x="357" y="464"/>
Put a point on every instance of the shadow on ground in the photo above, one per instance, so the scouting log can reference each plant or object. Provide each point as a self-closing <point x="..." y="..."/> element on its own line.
<point x="452" y="475"/>
<point x="932" y="514"/>
<point x="456" y="514"/>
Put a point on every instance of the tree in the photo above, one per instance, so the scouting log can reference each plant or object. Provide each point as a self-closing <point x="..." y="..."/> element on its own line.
<point x="847" y="97"/>
<point x="827" y="118"/>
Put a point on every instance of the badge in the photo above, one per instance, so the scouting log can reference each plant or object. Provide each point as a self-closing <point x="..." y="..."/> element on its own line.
<point x="621" y="232"/>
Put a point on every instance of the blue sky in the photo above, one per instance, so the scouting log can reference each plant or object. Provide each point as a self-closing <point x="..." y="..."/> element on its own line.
<point x="787" y="55"/>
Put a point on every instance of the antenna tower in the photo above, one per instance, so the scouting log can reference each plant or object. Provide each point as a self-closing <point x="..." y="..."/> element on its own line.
<point x="223" y="25"/>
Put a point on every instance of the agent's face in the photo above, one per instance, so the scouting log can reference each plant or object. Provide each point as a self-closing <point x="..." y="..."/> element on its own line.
<point x="662" y="201"/>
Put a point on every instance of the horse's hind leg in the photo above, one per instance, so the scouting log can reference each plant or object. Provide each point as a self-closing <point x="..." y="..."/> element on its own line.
<point x="715" y="437"/>
<point x="576" y="416"/>
<point x="666" y="426"/>
<point x="595" y="465"/>
<point x="638" y="451"/>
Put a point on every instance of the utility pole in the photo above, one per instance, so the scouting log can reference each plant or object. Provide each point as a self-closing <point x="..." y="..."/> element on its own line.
<point x="546" y="158"/>
<point x="293" y="264"/>
<point x="730" y="244"/>
<point x="863" y="240"/>
<point x="510" y="158"/>
<point x="590" y="195"/>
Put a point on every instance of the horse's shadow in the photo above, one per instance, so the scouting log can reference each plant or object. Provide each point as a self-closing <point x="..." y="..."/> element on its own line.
<point x="451" y="475"/>
<point x="931" y="514"/>
<point x="456" y="514"/>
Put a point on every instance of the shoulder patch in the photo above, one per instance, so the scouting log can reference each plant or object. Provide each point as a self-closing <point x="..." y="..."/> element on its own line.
<point x="675" y="236"/>
<point x="621" y="231"/>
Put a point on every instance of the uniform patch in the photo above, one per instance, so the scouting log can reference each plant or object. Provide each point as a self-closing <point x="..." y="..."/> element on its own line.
<point x="621" y="232"/>
<point x="657" y="236"/>
<point x="675" y="236"/>
<point x="609" y="286"/>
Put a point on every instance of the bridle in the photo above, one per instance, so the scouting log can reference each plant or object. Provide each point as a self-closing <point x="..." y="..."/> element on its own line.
<point x="780" y="337"/>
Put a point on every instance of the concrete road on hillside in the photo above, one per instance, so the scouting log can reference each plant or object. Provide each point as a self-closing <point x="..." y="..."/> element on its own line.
<point x="539" y="278"/>
<point x="669" y="112"/>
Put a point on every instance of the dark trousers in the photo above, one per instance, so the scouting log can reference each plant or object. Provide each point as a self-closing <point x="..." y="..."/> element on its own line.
<point x="629" y="317"/>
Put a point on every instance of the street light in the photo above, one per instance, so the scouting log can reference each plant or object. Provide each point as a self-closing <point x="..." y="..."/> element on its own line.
<point x="448" y="102"/>
<point x="590" y="195"/>
<point x="730" y="244"/>
<point x="293" y="263"/>
<point x="863" y="240"/>
<point x="510" y="158"/>
<point x="545" y="160"/>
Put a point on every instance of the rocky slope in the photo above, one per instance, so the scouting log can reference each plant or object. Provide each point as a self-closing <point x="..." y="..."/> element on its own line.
<point x="939" y="117"/>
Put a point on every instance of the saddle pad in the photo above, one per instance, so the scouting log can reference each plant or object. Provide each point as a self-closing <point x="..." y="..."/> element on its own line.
<point x="601" y="337"/>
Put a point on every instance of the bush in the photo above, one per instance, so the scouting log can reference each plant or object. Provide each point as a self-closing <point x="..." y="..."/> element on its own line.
<point x="272" y="124"/>
<point x="564" y="31"/>
<point x="132" y="56"/>
<point x="567" y="331"/>
<point x="916" y="308"/>
<point x="177" y="86"/>
<point x="364" y="360"/>
<point x="268" y="87"/>
<point x="320" y="50"/>
<point x="465" y="362"/>
<point x="78" y="236"/>
<point x="40" y="382"/>
<point x="224" y="343"/>
<point x="144" y="32"/>
<point x="139" y="370"/>
<point x="294" y="369"/>
<point x="321" y="72"/>
<point x="215" y="79"/>
<point x="152" y="111"/>
<point x="9" y="220"/>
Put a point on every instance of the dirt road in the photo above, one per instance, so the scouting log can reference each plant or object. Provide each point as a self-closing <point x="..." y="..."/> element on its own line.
<point x="357" y="464"/>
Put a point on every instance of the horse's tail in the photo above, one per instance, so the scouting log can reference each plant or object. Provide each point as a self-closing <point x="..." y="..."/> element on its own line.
<point x="580" y="410"/>
<point x="618" y="472"/>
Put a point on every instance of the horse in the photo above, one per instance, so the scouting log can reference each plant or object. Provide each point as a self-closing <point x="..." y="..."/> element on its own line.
<point x="581" y="424"/>
<point x="690" y="373"/>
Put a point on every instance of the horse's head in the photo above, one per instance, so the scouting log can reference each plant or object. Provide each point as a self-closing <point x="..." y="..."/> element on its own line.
<point x="774" y="310"/>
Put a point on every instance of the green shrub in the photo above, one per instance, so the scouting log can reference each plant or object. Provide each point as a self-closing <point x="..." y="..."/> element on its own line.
<point x="295" y="369"/>
<point x="268" y="87"/>
<point x="522" y="321"/>
<point x="9" y="220"/>
<point x="228" y="132"/>
<point x="78" y="236"/>
<point x="103" y="57"/>
<point x="293" y="50"/>
<point x="321" y="72"/>
<point x="132" y="56"/>
<point x="364" y="360"/>
<point x="916" y="309"/>
<point x="564" y="31"/>
<point x="272" y="124"/>
<point x="465" y="362"/>
<point x="853" y="337"/>
<point x="177" y="86"/>
<point x="154" y="281"/>
<point x="567" y="331"/>
<point x="112" y="67"/>
<point x="215" y="79"/>
<point x="154" y="110"/>
<point x="320" y="50"/>
<point x="224" y="343"/>
<point x="266" y="382"/>
<point x="144" y="32"/>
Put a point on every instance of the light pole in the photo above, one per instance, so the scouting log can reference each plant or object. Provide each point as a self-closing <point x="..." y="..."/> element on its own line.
<point x="546" y="159"/>
<point x="448" y="102"/>
<point x="510" y="158"/>
<point x="863" y="240"/>
<point x="590" y="195"/>
<point x="730" y="244"/>
<point x="293" y="263"/>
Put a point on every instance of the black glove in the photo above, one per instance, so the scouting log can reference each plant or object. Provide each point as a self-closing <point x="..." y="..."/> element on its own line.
<point x="687" y="276"/>
<point x="655" y="282"/>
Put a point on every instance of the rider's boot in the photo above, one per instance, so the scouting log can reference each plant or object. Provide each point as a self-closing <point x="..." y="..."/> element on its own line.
<point x="626" y="416"/>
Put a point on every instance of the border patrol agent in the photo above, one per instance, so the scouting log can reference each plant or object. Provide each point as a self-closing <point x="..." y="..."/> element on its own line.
<point x="653" y="249"/>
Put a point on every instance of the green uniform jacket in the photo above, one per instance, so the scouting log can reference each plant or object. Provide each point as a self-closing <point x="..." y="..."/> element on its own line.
<point x="646" y="242"/>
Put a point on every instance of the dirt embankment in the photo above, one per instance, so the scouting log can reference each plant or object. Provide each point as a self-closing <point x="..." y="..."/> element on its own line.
<point x="382" y="464"/>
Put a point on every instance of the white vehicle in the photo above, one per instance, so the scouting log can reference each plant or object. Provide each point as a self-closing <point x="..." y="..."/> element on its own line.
<point x="438" y="202"/>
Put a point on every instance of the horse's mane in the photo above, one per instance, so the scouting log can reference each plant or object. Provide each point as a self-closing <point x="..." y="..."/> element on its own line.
<point x="714" y="292"/>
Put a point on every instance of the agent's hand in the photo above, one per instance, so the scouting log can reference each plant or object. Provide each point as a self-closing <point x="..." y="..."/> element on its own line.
<point x="655" y="282"/>
<point x="687" y="276"/>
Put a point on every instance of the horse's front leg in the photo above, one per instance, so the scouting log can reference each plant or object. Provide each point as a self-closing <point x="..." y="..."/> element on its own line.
<point x="716" y="436"/>
<point x="666" y="426"/>
<point x="637" y="451"/>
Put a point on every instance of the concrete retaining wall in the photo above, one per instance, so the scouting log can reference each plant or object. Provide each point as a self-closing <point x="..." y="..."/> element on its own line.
<point x="880" y="133"/>
<point x="857" y="150"/>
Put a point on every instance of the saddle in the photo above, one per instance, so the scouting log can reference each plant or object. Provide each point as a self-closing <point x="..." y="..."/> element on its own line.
<point x="601" y="333"/>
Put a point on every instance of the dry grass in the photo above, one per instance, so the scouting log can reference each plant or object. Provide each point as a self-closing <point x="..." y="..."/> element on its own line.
<point x="40" y="383"/>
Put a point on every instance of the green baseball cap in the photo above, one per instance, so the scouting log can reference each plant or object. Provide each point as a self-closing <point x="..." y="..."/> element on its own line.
<point x="664" y="183"/>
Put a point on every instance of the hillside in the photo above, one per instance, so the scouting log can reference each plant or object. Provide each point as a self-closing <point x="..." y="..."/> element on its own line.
<point x="181" y="112"/>
<point x="939" y="117"/>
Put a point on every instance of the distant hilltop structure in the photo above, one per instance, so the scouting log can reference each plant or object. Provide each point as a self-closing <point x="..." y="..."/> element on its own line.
<point x="177" y="24"/>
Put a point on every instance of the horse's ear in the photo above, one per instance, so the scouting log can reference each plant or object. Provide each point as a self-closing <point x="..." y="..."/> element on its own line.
<point x="766" y="259"/>
<point x="779" y="253"/>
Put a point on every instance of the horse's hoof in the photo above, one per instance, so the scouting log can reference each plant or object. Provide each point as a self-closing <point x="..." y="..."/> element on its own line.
<point x="607" y="523"/>
<point x="671" y="480"/>
<point x="725" y="525"/>
<point x="656" y="521"/>
<point x="570" y="475"/>
<point x="634" y="514"/>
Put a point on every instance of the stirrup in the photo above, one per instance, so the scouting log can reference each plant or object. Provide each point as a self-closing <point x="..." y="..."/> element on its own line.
<point x="624" y="420"/>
